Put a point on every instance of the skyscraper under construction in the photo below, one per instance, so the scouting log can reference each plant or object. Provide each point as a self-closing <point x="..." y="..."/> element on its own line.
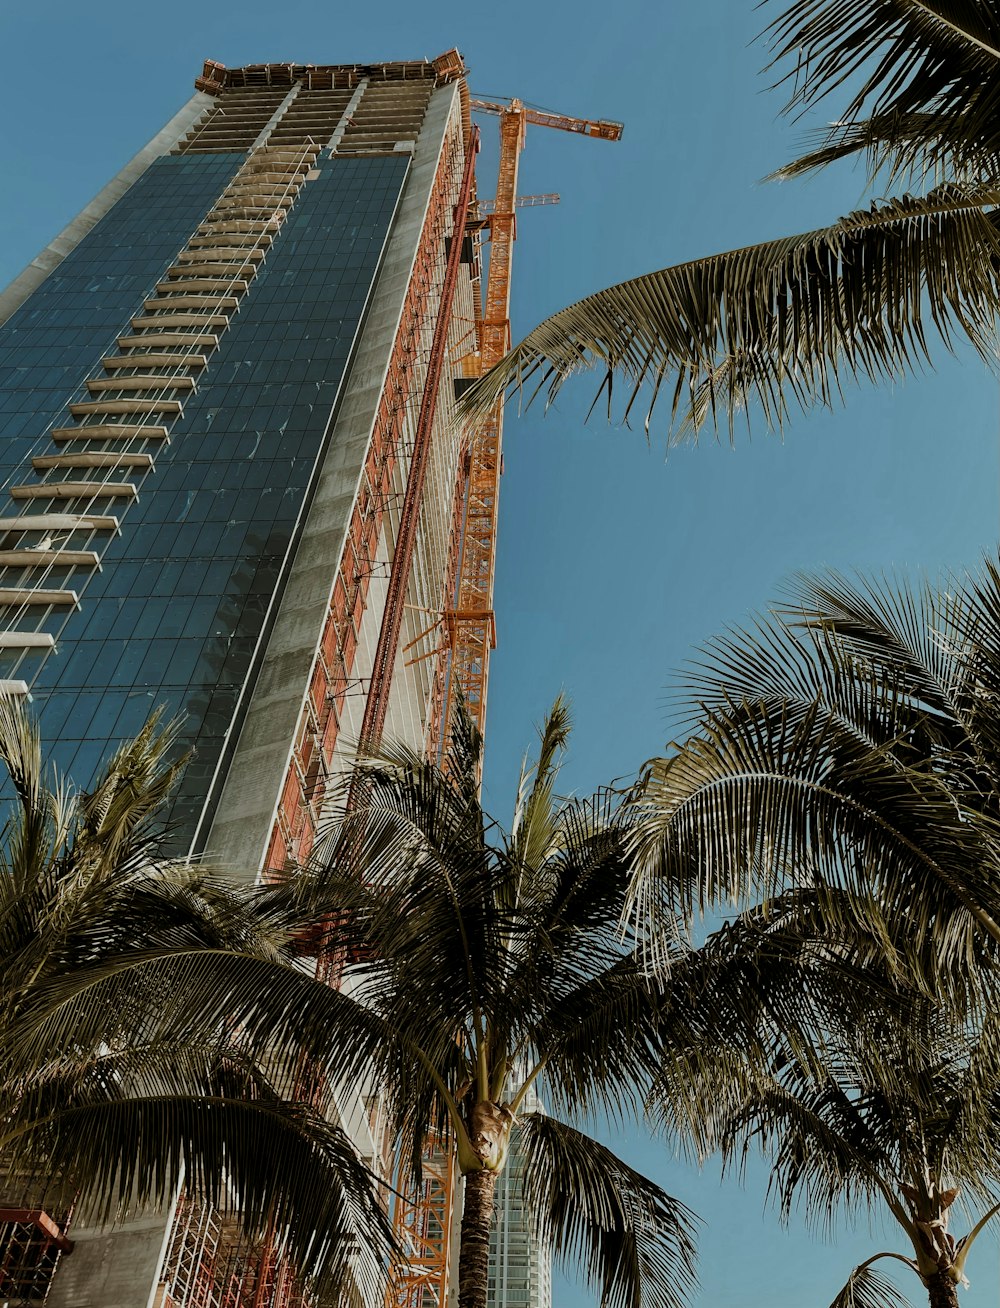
<point x="212" y="396"/>
<point x="234" y="487"/>
<point x="228" y="393"/>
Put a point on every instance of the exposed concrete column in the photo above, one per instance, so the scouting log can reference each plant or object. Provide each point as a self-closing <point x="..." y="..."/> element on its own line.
<point x="72" y="234"/>
<point x="346" y="116"/>
<point x="116" y="1268"/>
<point x="276" y="117"/>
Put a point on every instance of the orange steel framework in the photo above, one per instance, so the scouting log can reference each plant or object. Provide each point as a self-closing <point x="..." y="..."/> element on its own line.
<point x="421" y="1220"/>
<point x="602" y="128"/>
<point x="31" y="1243"/>
<point x="423" y="1226"/>
<point x="424" y="1222"/>
<point x="300" y="805"/>
<point x="470" y="624"/>
<point x="377" y="702"/>
<point x="212" y="1266"/>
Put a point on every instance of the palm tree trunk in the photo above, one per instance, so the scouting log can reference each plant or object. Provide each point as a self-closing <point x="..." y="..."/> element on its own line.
<point x="941" y="1290"/>
<point x="474" y="1253"/>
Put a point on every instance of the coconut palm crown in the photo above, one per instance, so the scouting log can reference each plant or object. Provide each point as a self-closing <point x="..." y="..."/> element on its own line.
<point x="784" y="324"/>
<point x="141" y="1006"/>
<point x="893" y="1110"/>
<point x="850" y="739"/>
<point x="493" y="962"/>
<point x="842" y="764"/>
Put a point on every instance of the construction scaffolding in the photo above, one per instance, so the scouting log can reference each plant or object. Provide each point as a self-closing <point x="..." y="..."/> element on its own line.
<point x="31" y="1245"/>
<point x="212" y="1265"/>
<point x="423" y="1226"/>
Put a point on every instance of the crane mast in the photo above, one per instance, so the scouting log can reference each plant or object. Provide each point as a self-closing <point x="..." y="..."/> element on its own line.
<point x="471" y="624"/>
<point x="424" y="1221"/>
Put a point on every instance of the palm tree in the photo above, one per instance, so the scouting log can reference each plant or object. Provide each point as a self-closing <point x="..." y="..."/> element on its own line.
<point x="842" y="766"/>
<point x="850" y="740"/>
<point x="893" y="1108"/>
<point x="125" y="1061"/>
<point x="785" y="323"/>
<point x="493" y="962"/>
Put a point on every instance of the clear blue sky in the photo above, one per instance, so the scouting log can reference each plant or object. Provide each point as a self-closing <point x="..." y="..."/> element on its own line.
<point x="614" y="561"/>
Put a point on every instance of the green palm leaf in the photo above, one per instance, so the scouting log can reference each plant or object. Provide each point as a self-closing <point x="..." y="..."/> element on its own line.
<point x="184" y="994"/>
<point x="866" y="1288"/>
<point x="785" y="325"/>
<point x="876" y="1095"/>
<point x="125" y="1062"/>
<point x="779" y="325"/>
<point x="923" y="79"/>
<point x="850" y="742"/>
<point x="492" y="963"/>
<point x="601" y="1040"/>
<point x="843" y="766"/>
<point x="631" y="1239"/>
<point x="265" y="1161"/>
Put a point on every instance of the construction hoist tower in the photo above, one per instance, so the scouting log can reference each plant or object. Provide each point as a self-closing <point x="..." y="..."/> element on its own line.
<point x="469" y="622"/>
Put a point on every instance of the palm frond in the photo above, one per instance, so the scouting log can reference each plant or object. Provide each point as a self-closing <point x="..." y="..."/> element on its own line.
<point x="428" y="889"/>
<point x="893" y="145"/>
<point x="825" y="1149"/>
<point x="631" y="1239"/>
<point x="601" y="1041"/>
<point x="806" y="1098"/>
<point x="35" y="830"/>
<point x="780" y="325"/>
<point x="578" y="994"/>
<point x="130" y="791"/>
<point x="174" y="993"/>
<point x="774" y="986"/>
<point x="846" y="742"/>
<point x="21" y="750"/>
<point x="866" y="1288"/>
<point x="265" y="1161"/>
<point x="535" y="823"/>
<point x="894" y="626"/>
<point x="465" y="752"/>
<point x="922" y="77"/>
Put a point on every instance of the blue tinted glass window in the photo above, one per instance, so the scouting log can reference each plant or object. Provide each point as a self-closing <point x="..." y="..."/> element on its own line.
<point x="175" y="613"/>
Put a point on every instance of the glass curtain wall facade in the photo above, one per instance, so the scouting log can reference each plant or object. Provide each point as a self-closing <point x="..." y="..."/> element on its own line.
<point x="210" y="388"/>
<point x="176" y="612"/>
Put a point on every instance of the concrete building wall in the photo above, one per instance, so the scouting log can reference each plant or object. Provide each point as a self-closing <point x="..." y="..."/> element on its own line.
<point x="422" y="630"/>
<point x="116" y="1268"/>
<point x="520" y="1267"/>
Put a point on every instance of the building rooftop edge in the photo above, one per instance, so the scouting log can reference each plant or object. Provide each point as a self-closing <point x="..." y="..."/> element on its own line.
<point x="216" y="77"/>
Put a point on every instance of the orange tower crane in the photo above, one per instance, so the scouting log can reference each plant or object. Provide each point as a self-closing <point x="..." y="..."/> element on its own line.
<point x="470" y="624"/>
<point x="424" y="1221"/>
